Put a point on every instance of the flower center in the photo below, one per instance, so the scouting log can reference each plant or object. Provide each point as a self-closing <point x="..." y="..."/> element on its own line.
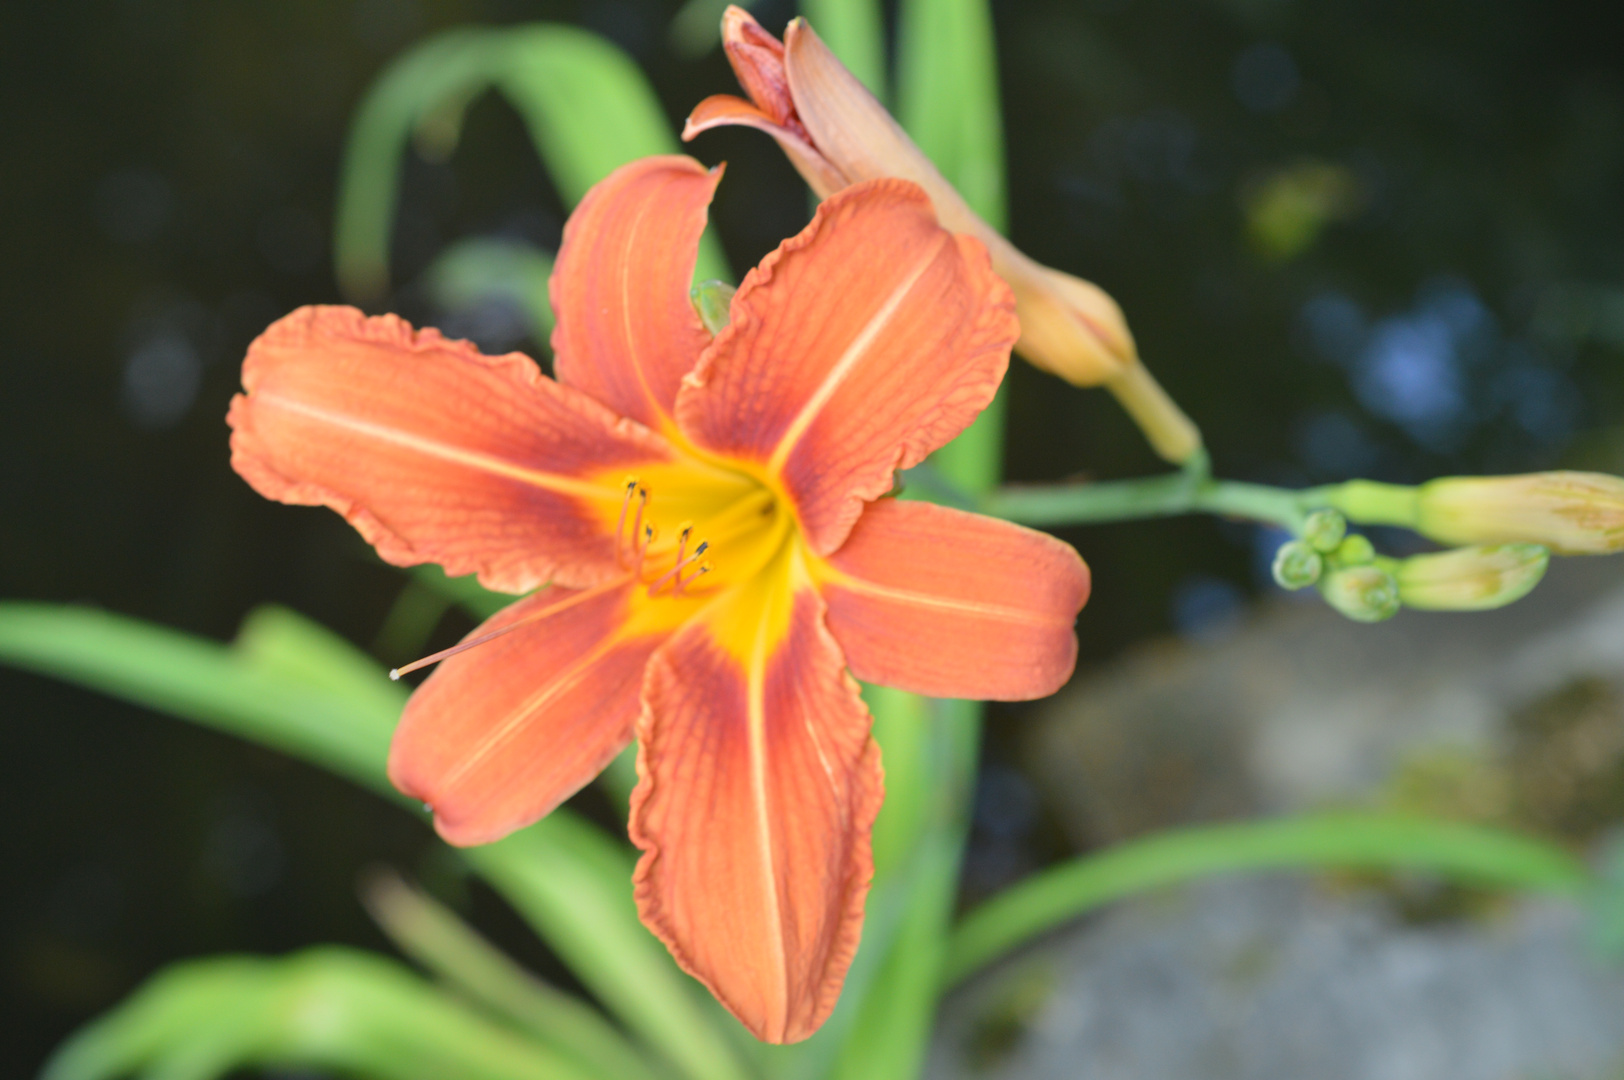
<point x="686" y="530"/>
<point x="735" y="527"/>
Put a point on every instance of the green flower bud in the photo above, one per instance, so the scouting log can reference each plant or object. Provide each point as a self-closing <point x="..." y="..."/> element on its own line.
<point x="1472" y="578"/>
<point x="1297" y="565"/>
<point x="1355" y="550"/>
<point x="1324" y="529"/>
<point x="1571" y="513"/>
<point x="713" y="301"/>
<point x="1362" y="593"/>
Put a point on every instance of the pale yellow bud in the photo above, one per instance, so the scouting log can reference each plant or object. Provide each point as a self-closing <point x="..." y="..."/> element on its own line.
<point x="1471" y="578"/>
<point x="1571" y="513"/>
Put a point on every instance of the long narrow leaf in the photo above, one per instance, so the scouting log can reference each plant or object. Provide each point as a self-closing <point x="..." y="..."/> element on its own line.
<point x="434" y="81"/>
<point x="326" y="1008"/>
<point x="437" y="939"/>
<point x="292" y="685"/>
<point x="947" y="99"/>
<point x="1464" y="853"/>
<point x="947" y="96"/>
<point x="586" y="105"/>
<point x="889" y="1038"/>
<point x="574" y="885"/>
<point x="854" y="30"/>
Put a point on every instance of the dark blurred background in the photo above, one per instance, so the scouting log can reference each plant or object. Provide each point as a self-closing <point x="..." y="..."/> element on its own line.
<point x="1352" y="237"/>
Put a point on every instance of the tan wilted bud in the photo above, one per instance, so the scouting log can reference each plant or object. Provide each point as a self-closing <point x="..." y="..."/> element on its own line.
<point x="1571" y="513"/>
<point x="1471" y="578"/>
<point x="836" y="133"/>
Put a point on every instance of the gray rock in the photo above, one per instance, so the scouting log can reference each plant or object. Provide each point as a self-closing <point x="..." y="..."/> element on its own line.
<point x="1299" y="708"/>
<point x="1277" y="978"/>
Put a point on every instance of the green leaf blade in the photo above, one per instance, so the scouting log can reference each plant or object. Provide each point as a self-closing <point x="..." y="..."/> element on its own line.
<point x="434" y="937"/>
<point x="327" y="715"/>
<point x="573" y="884"/>
<point x="435" y="80"/>
<point x="587" y="107"/>
<point x="326" y="1008"/>
<point x="854" y="30"/>
<point x="947" y="96"/>
<point x="1465" y="853"/>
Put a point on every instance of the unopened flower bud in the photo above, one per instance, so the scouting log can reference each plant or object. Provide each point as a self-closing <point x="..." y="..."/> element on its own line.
<point x="1571" y="513"/>
<point x="1362" y="593"/>
<point x="1355" y="550"/>
<point x="1471" y="578"/>
<point x="1324" y="529"/>
<point x="1297" y="565"/>
<point x="836" y="133"/>
<point x="713" y="301"/>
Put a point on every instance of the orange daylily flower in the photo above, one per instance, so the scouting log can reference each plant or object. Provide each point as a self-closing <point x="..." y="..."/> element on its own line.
<point x="836" y="133"/>
<point x="703" y="523"/>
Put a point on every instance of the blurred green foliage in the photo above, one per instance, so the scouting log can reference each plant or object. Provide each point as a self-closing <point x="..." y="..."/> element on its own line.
<point x="177" y="163"/>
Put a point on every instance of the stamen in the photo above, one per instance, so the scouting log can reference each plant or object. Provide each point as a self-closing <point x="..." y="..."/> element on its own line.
<point x="642" y="505"/>
<point x="684" y="582"/>
<point x="683" y="562"/>
<point x="620" y="525"/>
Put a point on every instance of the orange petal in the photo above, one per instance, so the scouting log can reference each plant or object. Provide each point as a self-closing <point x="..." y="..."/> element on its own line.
<point x="759" y="785"/>
<point x="626" y="331"/>
<point x="758" y="63"/>
<point x="433" y="451"/>
<point x="501" y="734"/>
<point x="854" y="131"/>
<point x="720" y="110"/>
<point x="1068" y="326"/>
<point x="950" y="604"/>
<point x="855" y="349"/>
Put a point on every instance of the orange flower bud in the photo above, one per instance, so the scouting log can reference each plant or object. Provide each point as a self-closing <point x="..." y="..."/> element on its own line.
<point x="836" y="133"/>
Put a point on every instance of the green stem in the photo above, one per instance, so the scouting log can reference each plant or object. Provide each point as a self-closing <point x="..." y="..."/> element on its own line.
<point x="1158" y="496"/>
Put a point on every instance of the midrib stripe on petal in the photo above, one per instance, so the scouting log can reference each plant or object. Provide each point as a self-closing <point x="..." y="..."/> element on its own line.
<point x="849" y="360"/>
<point x="842" y="580"/>
<point x="756" y="707"/>
<point x="473" y="459"/>
<point x="627" y="336"/>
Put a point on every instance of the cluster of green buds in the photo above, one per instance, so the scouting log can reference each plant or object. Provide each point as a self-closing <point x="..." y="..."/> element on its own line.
<point x="1506" y="529"/>
<point x="1343" y="565"/>
<point x="1369" y="587"/>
